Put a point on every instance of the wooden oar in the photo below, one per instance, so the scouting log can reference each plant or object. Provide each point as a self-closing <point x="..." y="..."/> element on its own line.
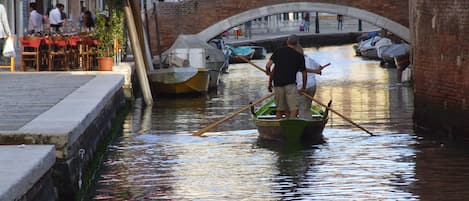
<point x="337" y="113"/>
<point x="253" y="64"/>
<point x="322" y="104"/>
<point x="201" y="131"/>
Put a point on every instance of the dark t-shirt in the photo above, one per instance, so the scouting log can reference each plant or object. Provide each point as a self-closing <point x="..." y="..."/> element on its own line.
<point x="287" y="63"/>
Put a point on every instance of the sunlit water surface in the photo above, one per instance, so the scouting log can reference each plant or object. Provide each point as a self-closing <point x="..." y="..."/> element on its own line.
<point x="158" y="159"/>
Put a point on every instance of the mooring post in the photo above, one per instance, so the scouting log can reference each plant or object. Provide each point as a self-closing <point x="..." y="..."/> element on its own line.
<point x="142" y="35"/>
<point x="139" y="60"/>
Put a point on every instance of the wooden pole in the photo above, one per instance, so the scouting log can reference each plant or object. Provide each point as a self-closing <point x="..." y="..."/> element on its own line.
<point x="142" y="34"/>
<point x="139" y="60"/>
<point x="322" y="104"/>
<point x="213" y="125"/>
<point x="253" y="64"/>
<point x="158" y="39"/>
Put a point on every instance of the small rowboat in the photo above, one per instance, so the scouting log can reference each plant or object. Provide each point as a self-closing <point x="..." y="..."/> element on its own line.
<point x="288" y="130"/>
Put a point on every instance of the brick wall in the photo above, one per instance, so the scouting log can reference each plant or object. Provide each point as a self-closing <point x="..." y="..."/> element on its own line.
<point x="193" y="16"/>
<point x="441" y="67"/>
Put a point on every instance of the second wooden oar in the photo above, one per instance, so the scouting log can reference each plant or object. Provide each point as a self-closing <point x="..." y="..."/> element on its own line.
<point x="310" y="97"/>
<point x="203" y="130"/>
<point x="253" y="64"/>
<point x="337" y="113"/>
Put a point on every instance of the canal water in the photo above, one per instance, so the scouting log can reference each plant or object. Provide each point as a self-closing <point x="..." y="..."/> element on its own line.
<point x="156" y="158"/>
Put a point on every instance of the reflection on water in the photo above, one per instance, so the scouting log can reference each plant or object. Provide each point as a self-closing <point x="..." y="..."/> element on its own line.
<point x="158" y="159"/>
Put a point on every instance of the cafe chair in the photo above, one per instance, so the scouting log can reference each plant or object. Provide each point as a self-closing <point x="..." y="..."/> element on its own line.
<point x="87" y="53"/>
<point x="74" y="51"/>
<point x="57" y="53"/>
<point x="30" y="51"/>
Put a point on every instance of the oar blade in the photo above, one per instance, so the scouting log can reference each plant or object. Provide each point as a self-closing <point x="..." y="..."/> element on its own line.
<point x="213" y="125"/>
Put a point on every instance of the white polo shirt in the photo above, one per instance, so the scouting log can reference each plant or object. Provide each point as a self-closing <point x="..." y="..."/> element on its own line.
<point x="35" y="21"/>
<point x="310" y="63"/>
<point x="55" y="17"/>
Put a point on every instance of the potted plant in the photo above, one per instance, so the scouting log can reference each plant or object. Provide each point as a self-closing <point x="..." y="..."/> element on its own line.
<point x="104" y="53"/>
<point x="108" y="32"/>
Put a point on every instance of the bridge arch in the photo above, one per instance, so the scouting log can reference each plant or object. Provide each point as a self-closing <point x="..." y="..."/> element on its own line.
<point x="372" y="18"/>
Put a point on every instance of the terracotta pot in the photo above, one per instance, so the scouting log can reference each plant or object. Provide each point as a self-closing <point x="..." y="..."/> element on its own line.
<point x="105" y="63"/>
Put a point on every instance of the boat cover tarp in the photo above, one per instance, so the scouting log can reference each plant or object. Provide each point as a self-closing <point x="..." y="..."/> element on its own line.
<point x="396" y="50"/>
<point x="213" y="55"/>
<point x="243" y="50"/>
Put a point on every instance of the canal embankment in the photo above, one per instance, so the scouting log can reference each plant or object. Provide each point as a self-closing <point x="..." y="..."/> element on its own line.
<point x="51" y="126"/>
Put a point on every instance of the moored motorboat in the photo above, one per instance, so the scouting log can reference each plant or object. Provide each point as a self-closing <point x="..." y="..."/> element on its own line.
<point x="395" y="50"/>
<point x="363" y="39"/>
<point x="259" y="52"/>
<point x="242" y="51"/>
<point x="289" y="130"/>
<point x="194" y="48"/>
<point x="185" y="73"/>
<point x="373" y="49"/>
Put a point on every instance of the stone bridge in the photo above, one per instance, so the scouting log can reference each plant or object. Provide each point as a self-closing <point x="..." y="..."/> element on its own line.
<point x="209" y="18"/>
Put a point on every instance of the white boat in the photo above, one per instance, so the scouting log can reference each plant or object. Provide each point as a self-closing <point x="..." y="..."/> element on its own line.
<point x="372" y="48"/>
<point x="185" y="73"/>
<point x="395" y="50"/>
<point x="365" y="44"/>
<point x="214" y="59"/>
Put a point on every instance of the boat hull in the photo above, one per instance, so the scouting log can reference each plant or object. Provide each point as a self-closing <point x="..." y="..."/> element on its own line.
<point x="197" y="84"/>
<point x="290" y="130"/>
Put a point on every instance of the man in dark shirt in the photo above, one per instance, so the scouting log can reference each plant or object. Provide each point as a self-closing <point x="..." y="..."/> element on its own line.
<point x="287" y="63"/>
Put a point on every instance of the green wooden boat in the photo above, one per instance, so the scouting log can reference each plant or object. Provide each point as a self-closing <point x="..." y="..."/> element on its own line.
<point x="288" y="130"/>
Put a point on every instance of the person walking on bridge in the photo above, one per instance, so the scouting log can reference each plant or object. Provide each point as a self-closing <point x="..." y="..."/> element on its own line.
<point x="307" y="22"/>
<point x="282" y="78"/>
<point x="340" y="22"/>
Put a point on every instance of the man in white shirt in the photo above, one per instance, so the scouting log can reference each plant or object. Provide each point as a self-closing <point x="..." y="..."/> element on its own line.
<point x="35" y="20"/>
<point x="55" y="17"/>
<point x="312" y="68"/>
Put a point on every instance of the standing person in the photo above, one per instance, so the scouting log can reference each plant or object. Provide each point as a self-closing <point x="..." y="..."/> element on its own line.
<point x="248" y="27"/>
<point x="4" y="28"/>
<point x="82" y="15"/>
<point x="312" y="68"/>
<point x="63" y="15"/>
<point x="88" y="21"/>
<point x="307" y="22"/>
<point x="287" y="63"/>
<point x="46" y="21"/>
<point x="35" y="25"/>
<point x="55" y="17"/>
<point x="340" y="22"/>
